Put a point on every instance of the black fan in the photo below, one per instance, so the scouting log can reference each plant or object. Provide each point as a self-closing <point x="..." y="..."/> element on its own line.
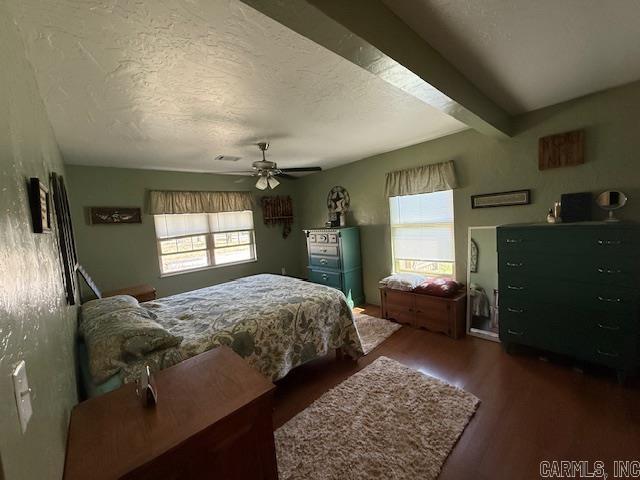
<point x="266" y="171"/>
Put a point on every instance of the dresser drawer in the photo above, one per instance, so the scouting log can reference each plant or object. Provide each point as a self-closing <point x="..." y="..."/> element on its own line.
<point x="325" y="262"/>
<point x="604" y="338"/>
<point x="331" y="279"/>
<point x="320" y="249"/>
<point x="568" y="239"/>
<point x="526" y="291"/>
<point x="604" y="268"/>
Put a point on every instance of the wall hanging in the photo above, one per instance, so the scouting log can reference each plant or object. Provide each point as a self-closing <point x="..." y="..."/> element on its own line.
<point x="66" y="241"/>
<point x="561" y="150"/>
<point x="114" y="215"/>
<point x="338" y="202"/>
<point x="501" y="199"/>
<point x="278" y="211"/>
<point x="40" y="206"/>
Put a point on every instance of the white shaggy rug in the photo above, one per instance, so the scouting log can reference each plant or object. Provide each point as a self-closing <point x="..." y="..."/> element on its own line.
<point x="373" y="330"/>
<point x="385" y="422"/>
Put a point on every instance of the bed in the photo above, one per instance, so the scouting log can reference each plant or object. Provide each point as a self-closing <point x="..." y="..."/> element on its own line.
<point x="276" y="323"/>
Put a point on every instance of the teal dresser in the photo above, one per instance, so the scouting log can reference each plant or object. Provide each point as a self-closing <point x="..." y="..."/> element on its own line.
<point x="572" y="289"/>
<point x="334" y="260"/>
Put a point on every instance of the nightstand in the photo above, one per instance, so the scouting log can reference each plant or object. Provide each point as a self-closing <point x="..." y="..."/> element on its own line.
<point x="142" y="293"/>
<point x="213" y="420"/>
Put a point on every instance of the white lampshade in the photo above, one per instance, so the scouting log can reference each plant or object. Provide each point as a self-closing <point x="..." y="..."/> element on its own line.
<point x="273" y="183"/>
<point x="262" y="183"/>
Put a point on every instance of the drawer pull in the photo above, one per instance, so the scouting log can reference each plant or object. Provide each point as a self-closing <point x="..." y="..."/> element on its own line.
<point x="608" y="327"/>
<point x="609" y="300"/>
<point x="609" y="242"/>
<point x="323" y="261"/>
<point x="515" y="310"/>
<point x="514" y="332"/>
<point x="325" y="276"/>
<point x="608" y="354"/>
<point x="608" y="271"/>
<point x="515" y="287"/>
<point x="515" y="265"/>
<point x="323" y="250"/>
<point x="514" y="240"/>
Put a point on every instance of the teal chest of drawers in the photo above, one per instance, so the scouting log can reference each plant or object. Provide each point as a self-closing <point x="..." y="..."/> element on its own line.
<point x="572" y="289"/>
<point x="334" y="260"/>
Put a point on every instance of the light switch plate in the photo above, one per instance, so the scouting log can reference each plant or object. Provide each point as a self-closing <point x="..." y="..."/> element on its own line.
<point x="23" y="394"/>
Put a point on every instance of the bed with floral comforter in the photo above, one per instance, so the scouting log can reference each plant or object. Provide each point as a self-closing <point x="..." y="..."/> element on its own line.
<point x="276" y="323"/>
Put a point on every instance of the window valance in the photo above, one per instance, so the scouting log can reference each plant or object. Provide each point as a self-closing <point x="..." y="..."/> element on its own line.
<point x="171" y="202"/>
<point x="425" y="179"/>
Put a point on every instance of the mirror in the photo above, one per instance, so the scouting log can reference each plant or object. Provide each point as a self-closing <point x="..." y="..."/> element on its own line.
<point x="482" y="283"/>
<point x="610" y="201"/>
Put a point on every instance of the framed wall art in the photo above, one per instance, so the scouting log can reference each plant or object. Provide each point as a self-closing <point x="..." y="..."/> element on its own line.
<point x="114" y="215"/>
<point x="501" y="199"/>
<point x="39" y="201"/>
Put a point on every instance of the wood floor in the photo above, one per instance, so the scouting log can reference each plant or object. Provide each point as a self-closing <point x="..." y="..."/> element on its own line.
<point x="531" y="410"/>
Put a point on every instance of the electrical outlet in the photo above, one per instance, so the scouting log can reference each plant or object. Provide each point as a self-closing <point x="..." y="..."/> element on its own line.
<point x="22" y="393"/>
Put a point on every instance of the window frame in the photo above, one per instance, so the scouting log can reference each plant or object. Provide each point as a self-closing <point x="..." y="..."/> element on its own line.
<point x="209" y="249"/>
<point x="392" y="227"/>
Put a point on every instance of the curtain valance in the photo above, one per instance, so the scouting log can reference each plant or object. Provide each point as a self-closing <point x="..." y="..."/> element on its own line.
<point x="424" y="179"/>
<point x="163" y="201"/>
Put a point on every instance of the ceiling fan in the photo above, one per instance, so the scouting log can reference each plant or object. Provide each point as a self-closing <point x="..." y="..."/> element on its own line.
<point x="267" y="171"/>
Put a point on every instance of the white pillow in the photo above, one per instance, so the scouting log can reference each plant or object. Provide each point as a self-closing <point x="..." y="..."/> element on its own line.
<point x="403" y="281"/>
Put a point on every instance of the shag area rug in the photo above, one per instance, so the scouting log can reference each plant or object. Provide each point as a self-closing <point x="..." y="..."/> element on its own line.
<point x="387" y="422"/>
<point x="373" y="330"/>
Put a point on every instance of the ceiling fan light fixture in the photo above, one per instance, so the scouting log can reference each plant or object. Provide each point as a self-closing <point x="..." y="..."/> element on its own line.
<point x="273" y="183"/>
<point x="262" y="183"/>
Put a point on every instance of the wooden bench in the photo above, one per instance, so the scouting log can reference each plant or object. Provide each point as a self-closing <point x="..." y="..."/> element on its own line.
<point x="438" y="314"/>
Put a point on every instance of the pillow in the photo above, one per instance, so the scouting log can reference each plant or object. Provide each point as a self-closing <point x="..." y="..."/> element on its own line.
<point x="439" y="287"/>
<point x="100" y="306"/>
<point x="116" y="338"/>
<point x="402" y="281"/>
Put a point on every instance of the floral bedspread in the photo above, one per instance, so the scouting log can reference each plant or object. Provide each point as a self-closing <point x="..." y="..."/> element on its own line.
<point x="276" y="323"/>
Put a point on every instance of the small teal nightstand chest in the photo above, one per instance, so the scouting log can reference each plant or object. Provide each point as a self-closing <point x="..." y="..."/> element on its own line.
<point x="334" y="260"/>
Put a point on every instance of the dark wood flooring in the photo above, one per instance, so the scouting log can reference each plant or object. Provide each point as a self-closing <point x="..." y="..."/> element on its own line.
<point x="531" y="409"/>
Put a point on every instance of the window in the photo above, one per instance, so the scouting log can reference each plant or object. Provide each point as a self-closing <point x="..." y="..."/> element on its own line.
<point x="195" y="241"/>
<point x="422" y="233"/>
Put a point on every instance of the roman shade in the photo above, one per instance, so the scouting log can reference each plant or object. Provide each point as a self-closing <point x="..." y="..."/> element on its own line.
<point x="425" y="179"/>
<point x="172" y="202"/>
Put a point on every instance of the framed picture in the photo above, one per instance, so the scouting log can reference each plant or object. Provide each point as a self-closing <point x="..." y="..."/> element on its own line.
<point x="501" y="199"/>
<point x="40" y="206"/>
<point x="114" y="215"/>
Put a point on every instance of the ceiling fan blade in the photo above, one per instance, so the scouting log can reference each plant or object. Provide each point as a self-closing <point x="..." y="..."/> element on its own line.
<point x="302" y="169"/>
<point x="286" y="175"/>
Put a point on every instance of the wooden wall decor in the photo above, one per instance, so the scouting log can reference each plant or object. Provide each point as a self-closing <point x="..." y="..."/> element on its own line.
<point x="561" y="150"/>
<point x="114" y="215"/>
<point x="278" y="211"/>
<point x="40" y="206"/>
<point x="66" y="242"/>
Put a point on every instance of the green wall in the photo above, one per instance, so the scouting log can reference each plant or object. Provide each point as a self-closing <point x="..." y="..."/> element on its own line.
<point x="485" y="165"/>
<point x="35" y="323"/>
<point x="118" y="256"/>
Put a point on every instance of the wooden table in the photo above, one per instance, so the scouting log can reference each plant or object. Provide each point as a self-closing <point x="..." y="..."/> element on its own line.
<point x="213" y="420"/>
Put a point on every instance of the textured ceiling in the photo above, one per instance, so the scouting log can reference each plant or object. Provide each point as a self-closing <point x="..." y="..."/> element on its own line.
<point x="172" y="84"/>
<point x="528" y="54"/>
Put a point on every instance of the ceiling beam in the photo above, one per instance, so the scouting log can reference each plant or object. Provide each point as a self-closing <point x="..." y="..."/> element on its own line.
<point x="370" y="35"/>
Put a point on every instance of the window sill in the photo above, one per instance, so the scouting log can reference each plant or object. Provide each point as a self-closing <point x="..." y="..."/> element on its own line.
<point x="211" y="267"/>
